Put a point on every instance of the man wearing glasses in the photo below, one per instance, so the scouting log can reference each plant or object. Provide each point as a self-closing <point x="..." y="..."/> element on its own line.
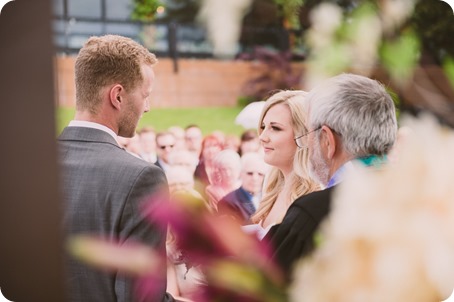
<point x="165" y="143"/>
<point x="351" y="118"/>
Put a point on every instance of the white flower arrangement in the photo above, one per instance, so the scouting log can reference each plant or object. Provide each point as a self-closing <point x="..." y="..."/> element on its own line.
<point x="390" y="235"/>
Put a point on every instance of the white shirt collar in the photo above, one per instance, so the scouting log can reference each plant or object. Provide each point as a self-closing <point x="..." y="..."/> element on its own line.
<point x="86" y="124"/>
<point x="256" y="201"/>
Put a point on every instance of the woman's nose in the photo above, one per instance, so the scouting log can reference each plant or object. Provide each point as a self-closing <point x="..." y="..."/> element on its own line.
<point x="263" y="137"/>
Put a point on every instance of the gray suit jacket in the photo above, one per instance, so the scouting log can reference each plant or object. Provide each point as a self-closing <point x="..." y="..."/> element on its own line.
<point x="103" y="188"/>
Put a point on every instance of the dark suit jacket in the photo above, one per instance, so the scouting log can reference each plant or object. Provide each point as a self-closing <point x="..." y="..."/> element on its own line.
<point x="294" y="237"/>
<point x="238" y="204"/>
<point x="103" y="188"/>
<point x="158" y="164"/>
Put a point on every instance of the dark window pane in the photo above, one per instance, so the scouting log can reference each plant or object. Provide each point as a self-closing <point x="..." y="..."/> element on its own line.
<point x="124" y="29"/>
<point x="57" y="6"/>
<point x="84" y="8"/>
<point x="88" y="28"/>
<point x="118" y="9"/>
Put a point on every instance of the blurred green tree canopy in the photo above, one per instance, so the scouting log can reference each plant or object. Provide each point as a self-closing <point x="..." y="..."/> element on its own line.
<point x="145" y="10"/>
<point x="432" y="21"/>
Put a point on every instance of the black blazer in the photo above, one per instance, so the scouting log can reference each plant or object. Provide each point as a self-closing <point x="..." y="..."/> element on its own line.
<point x="294" y="237"/>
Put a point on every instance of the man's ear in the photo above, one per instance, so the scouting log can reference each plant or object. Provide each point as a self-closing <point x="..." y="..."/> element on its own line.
<point x="115" y="95"/>
<point x="329" y="140"/>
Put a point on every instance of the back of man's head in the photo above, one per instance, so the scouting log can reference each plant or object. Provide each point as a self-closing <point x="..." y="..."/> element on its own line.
<point x="359" y="110"/>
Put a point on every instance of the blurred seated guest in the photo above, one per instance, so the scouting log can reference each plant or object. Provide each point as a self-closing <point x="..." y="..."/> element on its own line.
<point x="232" y="142"/>
<point x="244" y="201"/>
<point x="193" y="138"/>
<point x="165" y="142"/>
<point x="249" y="142"/>
<point x="211" y="145"/>
<point x="283" y="118"/>
<point x="224" y="176"/>
<point x="147" y="137"/>
<point x="181" y="182"/>
<point x="188" y="160"/>
<point x="220" y="135"/>
<point x="184" y="158"/>
<point x="179" y="134"/>
<point x="179" y="178"/>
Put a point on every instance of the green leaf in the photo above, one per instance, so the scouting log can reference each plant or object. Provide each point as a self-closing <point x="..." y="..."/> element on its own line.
<point x="332" y="60"/>
<point x="400" y="56"/>
<point x="145" y="10"/>
<point x="448" y="67"/>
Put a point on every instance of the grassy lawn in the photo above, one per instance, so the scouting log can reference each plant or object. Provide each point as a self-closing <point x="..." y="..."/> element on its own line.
<point x="208" y="118"/>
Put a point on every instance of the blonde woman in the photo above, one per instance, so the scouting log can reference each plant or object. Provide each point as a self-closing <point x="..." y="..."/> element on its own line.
<point x="283" y="119"/>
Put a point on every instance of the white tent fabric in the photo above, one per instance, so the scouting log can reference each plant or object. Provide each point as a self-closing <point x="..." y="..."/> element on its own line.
<point x="249" y="117"/>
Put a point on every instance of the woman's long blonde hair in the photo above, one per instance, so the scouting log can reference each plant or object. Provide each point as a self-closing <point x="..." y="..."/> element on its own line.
<point x="300" y="183"/>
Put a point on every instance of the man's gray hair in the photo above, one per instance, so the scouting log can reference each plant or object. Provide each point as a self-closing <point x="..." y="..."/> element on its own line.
<point x="358" y="109"/>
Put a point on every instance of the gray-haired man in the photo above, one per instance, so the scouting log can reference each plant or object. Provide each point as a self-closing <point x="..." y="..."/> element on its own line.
<point x="350" y="117"/>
